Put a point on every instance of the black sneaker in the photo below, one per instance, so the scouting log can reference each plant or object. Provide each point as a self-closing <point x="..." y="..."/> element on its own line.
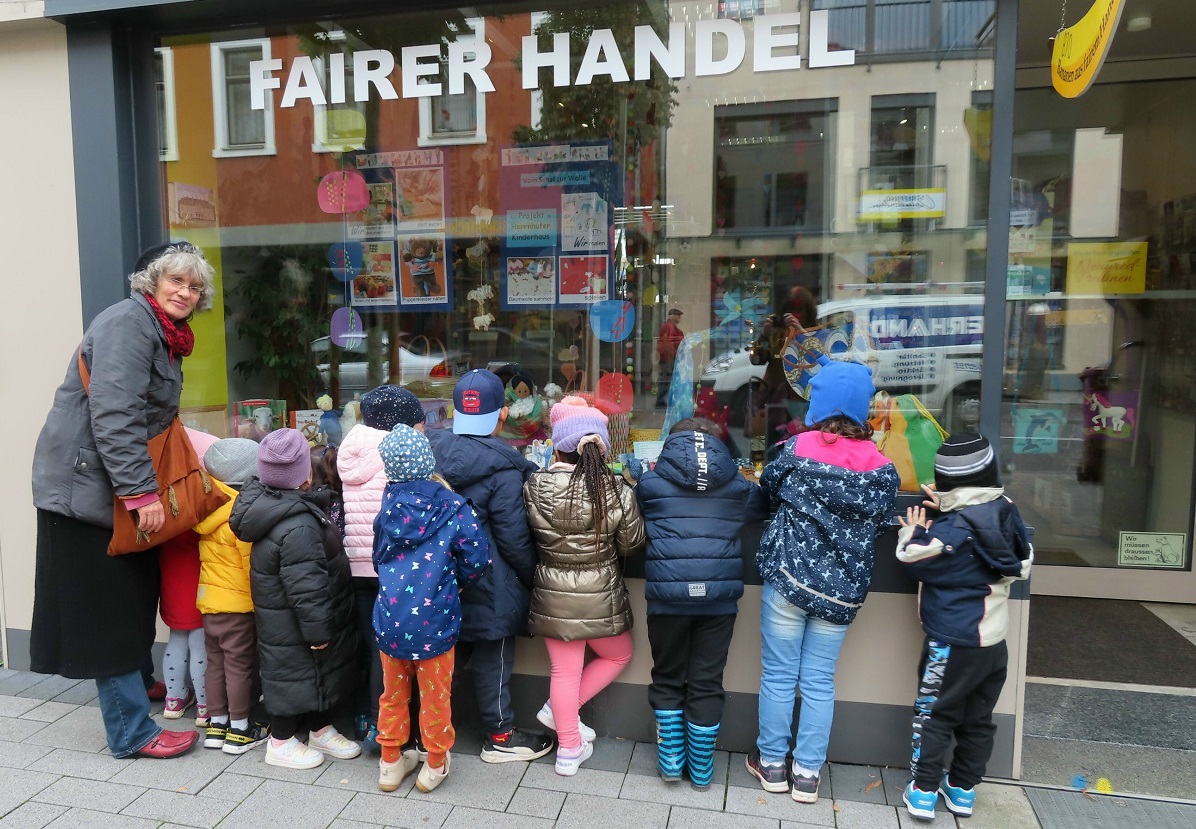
<point x="417" y="745"/>
<point x="214" y="735"/>
<point x="515" y="746"/>
<point x="773" y="778"/>
<point x="240" y="740"/>
<point x="804" y="789"/>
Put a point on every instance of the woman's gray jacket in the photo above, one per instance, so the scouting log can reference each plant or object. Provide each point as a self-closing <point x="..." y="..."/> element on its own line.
<point x="91" y="447"/>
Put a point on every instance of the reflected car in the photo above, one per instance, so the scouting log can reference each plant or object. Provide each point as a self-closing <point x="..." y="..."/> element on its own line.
<point x="413" y="366"/>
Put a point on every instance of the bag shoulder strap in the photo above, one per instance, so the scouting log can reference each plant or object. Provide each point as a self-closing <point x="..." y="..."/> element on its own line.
<point x="84" y="371"/>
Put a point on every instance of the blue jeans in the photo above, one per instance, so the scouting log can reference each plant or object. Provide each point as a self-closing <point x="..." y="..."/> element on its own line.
<point x="126" y="712"/>
<point x="797" y="652"/>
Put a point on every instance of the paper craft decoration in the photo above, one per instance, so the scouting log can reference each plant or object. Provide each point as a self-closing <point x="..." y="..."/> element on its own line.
<point x="347" y="328"/>
<point x="344" y="191"/>
<point x="345" y="259"/>
<point x="612" y="320"/>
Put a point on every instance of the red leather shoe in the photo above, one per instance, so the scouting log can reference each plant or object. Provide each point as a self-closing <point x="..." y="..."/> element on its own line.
<point x="170" y="744"/>
<point x="157" y="691"/>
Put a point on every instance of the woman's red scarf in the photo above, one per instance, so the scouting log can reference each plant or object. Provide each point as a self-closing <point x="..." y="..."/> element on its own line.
<point x="180" y="339"/>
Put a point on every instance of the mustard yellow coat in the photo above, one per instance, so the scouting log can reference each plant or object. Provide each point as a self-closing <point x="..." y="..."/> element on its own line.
<point x="223" y="562"/>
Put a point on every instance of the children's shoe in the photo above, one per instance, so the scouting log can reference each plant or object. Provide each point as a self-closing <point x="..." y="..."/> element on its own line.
<point x="918" y="803"/>
<point x="773" y="777"/>
<point x="157" y="691"/>
<point x="361" y="725"/>
<point x="670" y="745"/>
<point x="292" y="754"/>
<point x="515" y="746"/>
<point x="429" y="778"/>
<point x="241" y="740"/>
<point x="699" y="754"/>
<point x="568" y="762"/>
<point x="958" y="801"/>
<point x="803" y="788"/>
<point x="175" y="707"/>
<point x="369" y="743"/>
<point x="214" y="735"/>
<point x="546" y="719"/>
<point x="391" y="775"/>
<point x="202" y="720"/>
<point x="334" y="744"/>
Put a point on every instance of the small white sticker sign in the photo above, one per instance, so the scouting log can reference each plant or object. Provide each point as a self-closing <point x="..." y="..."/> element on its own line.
<point x="1165" y="550"/>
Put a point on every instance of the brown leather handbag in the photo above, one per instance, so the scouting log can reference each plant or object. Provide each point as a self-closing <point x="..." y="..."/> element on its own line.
<point x="184" y="488"/>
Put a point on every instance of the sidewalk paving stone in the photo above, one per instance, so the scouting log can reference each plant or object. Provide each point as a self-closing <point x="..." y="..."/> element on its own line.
<point x="31" y="816"/>
<point x="849" y="815"/>
<point x="183" y="809"/>
<point x="655" y="790"/>
<point x="14" y="730"/>
<point x="288" y="805"/>
<point x="49" y="687"/>
<point x="79" y="764"/>
<point x="942" y="819"/>
<point x="20" y="755"/>
<point x="94" y="794"/>
<point x="389" y="810"/>
<point x="1002" y="807"/>
<point x="20" y="785"/>
<point x="87" y="819"/>
<point x="13" y="684"/>
<point x="462" y="817"/>
<point x="189" y="773"/>
<point x="862" y="784"/>
<point x="478" y="785"/>
<point x="780" y="806"/>
<point x="586" y="781"/>
<point x="82" y="694"/>
<point x="351" y="775"/>
<point x="82" y="730"/>
<point x="12" y="706"/>
<point x="49" y="712"/>
<point x="536" y="803"/>
<point x="582" y="811"/>
<point x="231" y="787"/>
<point x="253" y="764"/>
<point x="681" y="817"/>
<point x="609" y="755"/>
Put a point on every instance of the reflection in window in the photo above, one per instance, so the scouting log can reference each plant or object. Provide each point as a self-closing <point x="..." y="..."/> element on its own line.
<point x="240" y="129"/>
<point x="338" y="126"/>
<point x="946" y="28"/>
<point x="774" y="165"/>
<point x="902" y="139"/>
<point x="460" y="118"/>
<point x="168" y="136"/>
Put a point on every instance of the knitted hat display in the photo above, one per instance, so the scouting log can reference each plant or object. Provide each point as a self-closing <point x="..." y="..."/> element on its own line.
<point x="406" y="455"/>
<point x="385" y="406"/>
<point x="284" y="459"/>
<point x="840" y="388"/>
<point x="965" y="459"/>
<point x="232" y="461"/>
<point x="572" y="420"/>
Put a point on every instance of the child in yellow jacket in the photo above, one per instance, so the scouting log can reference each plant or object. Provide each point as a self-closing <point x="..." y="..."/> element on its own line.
<point x="226" y="603"/>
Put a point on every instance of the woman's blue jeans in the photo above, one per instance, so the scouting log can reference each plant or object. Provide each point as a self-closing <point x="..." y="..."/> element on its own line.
<point x="798" y="651"/>
<point x="126" y="712"/>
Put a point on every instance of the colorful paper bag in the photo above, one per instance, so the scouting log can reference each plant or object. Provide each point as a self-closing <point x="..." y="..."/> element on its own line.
<point x="908" y="435"/>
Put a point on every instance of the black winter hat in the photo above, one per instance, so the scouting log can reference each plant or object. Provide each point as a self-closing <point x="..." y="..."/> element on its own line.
<point x="965" y="459"/>
<point x="384" y="407"/>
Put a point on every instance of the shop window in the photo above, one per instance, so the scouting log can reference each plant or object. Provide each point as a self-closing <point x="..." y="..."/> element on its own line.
<point x="240" y="129"/>
<point x="978" y="121"/>
<point x="745" y="9"/>
<point x="455" y="119"/>
<point x="902" y="140"/>
<point x="774" y="165"/>
<point x="338" y="127"/>
<point x="943" y="29"/>
<point x="168" y="130"/>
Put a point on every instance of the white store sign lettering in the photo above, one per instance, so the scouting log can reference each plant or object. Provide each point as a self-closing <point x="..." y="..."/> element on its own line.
<point x="373" y="68"/>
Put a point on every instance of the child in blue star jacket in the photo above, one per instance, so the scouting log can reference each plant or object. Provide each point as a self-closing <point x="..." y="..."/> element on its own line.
<point x="833" y="490"/>
<point x="427" y="542"/>
<point x="966" y="559"/>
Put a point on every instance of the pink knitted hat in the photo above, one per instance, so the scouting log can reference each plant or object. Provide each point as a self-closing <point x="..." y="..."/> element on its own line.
<point x="572" y="419"/>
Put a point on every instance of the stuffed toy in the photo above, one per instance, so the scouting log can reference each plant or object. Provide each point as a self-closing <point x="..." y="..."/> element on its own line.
<point x="330" y="422"/>
<point x="526" y="413"/>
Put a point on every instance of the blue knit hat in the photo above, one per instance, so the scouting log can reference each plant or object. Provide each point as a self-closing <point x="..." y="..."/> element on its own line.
<point x="406" y="455"/>
<point x="840" y="388"/>
<point x="383" y="407"/>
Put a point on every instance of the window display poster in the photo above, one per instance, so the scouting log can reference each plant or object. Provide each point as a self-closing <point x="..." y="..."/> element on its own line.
<point x="531" y="280"/>
<point x="375" y="285"/>
<point x="583" y="279"/>
<point x="420" y="199"/>
<point x="256" y="418"/>
<point x="376" y="220"/>
<point x="559" y="201"/>
<point x="423" y="281"/>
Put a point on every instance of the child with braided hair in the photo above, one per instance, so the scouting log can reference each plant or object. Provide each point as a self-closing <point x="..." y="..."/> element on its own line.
<point x="583" y="519"/>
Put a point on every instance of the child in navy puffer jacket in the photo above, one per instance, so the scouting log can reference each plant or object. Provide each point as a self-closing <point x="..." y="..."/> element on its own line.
<point x="967" y="558"/>
<point x="695" y="505"/>
<point x="833" y="490"/>
<point x="427" y="542"/>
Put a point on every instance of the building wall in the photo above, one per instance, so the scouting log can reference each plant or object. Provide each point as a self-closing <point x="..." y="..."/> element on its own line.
<point x="38" y="234"/>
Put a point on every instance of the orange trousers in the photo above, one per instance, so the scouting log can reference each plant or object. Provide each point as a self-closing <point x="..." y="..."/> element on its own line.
<point x="435" y="679"/>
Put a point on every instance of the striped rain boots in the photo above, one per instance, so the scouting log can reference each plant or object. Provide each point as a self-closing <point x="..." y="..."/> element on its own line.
<point x="699" y="747"/>
<point x="670" y="745"/>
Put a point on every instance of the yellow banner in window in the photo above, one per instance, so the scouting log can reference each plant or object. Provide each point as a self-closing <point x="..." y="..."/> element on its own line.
<point x="879" y="205"/>
<point x="1080" y="50"/>
<point x="1106" y="267"/>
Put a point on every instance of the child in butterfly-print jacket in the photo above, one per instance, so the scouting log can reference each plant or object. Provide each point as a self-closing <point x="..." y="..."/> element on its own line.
<point x="428" y="542"/>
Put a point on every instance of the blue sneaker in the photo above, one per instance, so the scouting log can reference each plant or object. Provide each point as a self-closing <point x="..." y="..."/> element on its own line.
<point x="958" y="801"/>
<point x="920" y="804"/>
<point x="370" y="741"/>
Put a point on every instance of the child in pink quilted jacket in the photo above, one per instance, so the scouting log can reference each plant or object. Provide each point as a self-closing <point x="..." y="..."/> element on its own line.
<point x="363" y="479"/>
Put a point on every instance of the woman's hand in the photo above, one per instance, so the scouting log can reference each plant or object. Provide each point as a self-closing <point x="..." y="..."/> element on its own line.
<point x="151" y="517"/>
<point x="791" y="322"/>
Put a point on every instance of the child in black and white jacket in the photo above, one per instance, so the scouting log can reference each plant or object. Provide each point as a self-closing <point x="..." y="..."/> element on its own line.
<point x="966" y="560"/>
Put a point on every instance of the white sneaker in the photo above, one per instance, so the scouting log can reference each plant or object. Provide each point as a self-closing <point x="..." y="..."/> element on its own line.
<point x="429" y="778"/>
<point x="334" y="744"/>
<point x="391" y="775"/>
<point x="546" y="719"/>
<point x="292" y="754"/>
<point x="568" y="766"/>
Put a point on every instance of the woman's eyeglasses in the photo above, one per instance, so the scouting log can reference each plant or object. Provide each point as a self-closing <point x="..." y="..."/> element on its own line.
<point x="184" y="285"/>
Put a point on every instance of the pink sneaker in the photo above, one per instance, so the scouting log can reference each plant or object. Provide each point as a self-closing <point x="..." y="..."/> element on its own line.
<point x="175" y="707"/>
<point x="202" y="720"/>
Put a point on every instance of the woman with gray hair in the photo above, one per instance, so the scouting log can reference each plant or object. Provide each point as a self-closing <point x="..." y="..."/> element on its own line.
<point x="94" y="615"/>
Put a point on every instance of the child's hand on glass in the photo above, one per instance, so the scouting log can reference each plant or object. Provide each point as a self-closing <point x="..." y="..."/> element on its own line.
<point x="932" y="497"/>
<point x="915" y="517"/>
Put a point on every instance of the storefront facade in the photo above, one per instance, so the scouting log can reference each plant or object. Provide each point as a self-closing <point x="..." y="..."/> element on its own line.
<point x="399" y="196"/>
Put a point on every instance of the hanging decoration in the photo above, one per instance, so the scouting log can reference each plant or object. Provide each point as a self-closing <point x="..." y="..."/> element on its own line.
<point x="1079" y="51"/>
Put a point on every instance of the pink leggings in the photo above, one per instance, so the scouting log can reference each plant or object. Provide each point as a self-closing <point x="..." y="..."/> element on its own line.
<point x="572" y="685"/>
